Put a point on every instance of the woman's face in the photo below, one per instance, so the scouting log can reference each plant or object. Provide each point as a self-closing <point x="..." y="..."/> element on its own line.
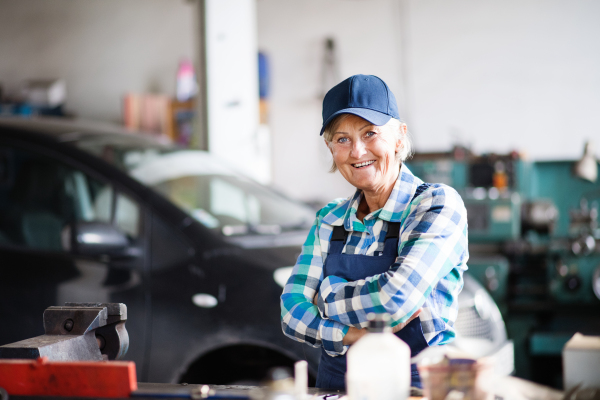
<point x="365" y="154"/>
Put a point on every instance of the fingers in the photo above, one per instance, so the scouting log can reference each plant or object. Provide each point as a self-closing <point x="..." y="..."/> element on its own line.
<point x="415" y="315"/>
<point x="353" y="335"/>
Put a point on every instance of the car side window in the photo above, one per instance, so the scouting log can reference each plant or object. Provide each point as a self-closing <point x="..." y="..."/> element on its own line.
<point x="41" y="196"/>
<point x="125" y="212"/>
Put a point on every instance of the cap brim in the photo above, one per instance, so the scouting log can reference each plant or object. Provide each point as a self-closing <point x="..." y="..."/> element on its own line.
<point x="372" y="116"/>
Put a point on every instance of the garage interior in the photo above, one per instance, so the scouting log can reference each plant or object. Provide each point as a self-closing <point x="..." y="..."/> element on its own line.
<point x="217" y="171"/>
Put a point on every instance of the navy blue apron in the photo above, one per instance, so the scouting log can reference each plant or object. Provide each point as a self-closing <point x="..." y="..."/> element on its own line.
<point x="353" y="267"/>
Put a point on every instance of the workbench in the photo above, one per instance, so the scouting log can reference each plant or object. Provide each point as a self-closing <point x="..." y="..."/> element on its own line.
<point x="153" y="391"/>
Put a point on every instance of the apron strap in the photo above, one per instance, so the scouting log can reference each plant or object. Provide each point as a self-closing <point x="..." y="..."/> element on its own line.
<point x="340" y="235"/>
<point x="337" y="240"/>
<point x="393" y="229"/>
<point x="391" y="239"/>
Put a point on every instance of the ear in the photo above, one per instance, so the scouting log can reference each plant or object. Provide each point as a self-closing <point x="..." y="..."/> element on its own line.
<point x="329" y="147"/>
<point x="400" y="142"/>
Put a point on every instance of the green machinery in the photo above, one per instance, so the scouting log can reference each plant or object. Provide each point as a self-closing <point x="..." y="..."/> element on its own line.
<point x="534" y="243"/>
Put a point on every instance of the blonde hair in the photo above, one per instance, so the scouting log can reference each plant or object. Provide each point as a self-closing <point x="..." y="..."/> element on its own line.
<point x="401" y="156"/>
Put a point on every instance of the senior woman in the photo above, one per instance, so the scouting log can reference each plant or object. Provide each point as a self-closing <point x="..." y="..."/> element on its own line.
<point x="397" y="246"/>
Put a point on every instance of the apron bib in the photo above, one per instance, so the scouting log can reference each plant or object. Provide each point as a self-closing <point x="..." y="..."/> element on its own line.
<point x="353" y="267"/>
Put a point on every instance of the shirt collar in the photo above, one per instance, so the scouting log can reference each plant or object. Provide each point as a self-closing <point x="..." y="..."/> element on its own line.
<point x="402" y="193"/>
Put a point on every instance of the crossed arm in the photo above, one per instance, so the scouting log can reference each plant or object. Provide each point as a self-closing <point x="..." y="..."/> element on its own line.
<point x="354" y="334"/>
<point x="433" y="242"/>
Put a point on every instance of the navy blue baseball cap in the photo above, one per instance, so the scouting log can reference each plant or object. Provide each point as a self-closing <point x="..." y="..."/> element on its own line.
<point x="365" y="96"/>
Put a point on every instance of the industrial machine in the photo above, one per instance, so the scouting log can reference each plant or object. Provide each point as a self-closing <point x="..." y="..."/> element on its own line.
<point x="533" y="243"/>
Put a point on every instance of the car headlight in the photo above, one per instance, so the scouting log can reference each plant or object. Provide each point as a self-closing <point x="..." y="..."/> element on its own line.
<point x="281" y="275"/>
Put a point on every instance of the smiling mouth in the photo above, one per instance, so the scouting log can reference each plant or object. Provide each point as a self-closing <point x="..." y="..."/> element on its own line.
<point x="363" y="164"/>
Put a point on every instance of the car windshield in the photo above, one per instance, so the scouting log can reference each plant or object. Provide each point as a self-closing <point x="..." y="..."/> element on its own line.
<point x="204" y="186"/>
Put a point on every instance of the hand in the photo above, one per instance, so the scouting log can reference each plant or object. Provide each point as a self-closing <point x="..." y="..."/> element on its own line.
<point x="403" y="324"/>
<point x="353" y="335"/>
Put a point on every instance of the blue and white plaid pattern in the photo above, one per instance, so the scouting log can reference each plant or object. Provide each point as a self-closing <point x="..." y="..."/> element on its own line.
<point x="432" y="256"/>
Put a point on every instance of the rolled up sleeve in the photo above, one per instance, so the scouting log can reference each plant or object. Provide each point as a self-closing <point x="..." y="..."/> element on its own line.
<point x="433" y="242"/>
<point x="300" y="318"/>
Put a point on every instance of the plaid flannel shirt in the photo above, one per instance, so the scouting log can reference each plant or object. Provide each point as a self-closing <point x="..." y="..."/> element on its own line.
<point x="427" y="274"/>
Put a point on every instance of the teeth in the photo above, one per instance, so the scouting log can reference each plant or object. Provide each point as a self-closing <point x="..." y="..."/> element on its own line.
<point x="363" y="164"/>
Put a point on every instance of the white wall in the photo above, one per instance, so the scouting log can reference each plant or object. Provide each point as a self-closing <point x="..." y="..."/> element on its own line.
<point x="501" y="75"/>
<point x="102" y="48"/>
<point x="495" y="75"/>
<point x="292" y="34"/>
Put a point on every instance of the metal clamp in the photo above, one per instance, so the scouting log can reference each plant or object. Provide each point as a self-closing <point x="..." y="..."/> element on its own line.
<point x="77" y="332"/>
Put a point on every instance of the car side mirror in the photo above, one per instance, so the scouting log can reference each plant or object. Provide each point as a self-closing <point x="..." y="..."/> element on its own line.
<point x="97" y="239"/>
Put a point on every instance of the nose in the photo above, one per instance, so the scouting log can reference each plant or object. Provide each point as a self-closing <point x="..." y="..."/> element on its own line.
<point x="358" y="149"/>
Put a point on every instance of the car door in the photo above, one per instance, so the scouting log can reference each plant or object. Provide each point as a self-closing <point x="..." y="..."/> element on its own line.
<point x="43" y="199"/>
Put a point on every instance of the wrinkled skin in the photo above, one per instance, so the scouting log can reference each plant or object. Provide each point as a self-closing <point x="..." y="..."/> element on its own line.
<point x="356" y="141"/>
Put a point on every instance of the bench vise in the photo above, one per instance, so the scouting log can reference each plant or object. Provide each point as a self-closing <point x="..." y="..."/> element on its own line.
<point x="77" y="332"/>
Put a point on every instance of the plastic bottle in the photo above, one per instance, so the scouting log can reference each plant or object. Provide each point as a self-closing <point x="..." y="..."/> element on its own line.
<point x="378" y="364"/>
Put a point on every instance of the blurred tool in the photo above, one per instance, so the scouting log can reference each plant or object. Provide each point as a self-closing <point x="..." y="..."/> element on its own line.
<point x="146" y="112"/>
<point x="581" y="362"/>
<point x="301" y="379"/>
<point x="456" y="377"/>
<point x="264" y="87"/>
<point x="77" y="332"/>
<point x="587" y="167"/>
<point x="47" y="93"/>
<point x="36" y="97"/>
<point x="186" y="81"/>
<point x="330" y="70"/>
<point x="65" y="363"/>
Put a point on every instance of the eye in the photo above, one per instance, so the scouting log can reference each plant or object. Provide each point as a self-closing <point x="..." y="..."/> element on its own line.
<point x="342" y="140"/>
<point x="370" y="134"/>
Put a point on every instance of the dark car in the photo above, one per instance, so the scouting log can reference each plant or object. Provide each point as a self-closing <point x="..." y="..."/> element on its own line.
<point x="197" y="251"/>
